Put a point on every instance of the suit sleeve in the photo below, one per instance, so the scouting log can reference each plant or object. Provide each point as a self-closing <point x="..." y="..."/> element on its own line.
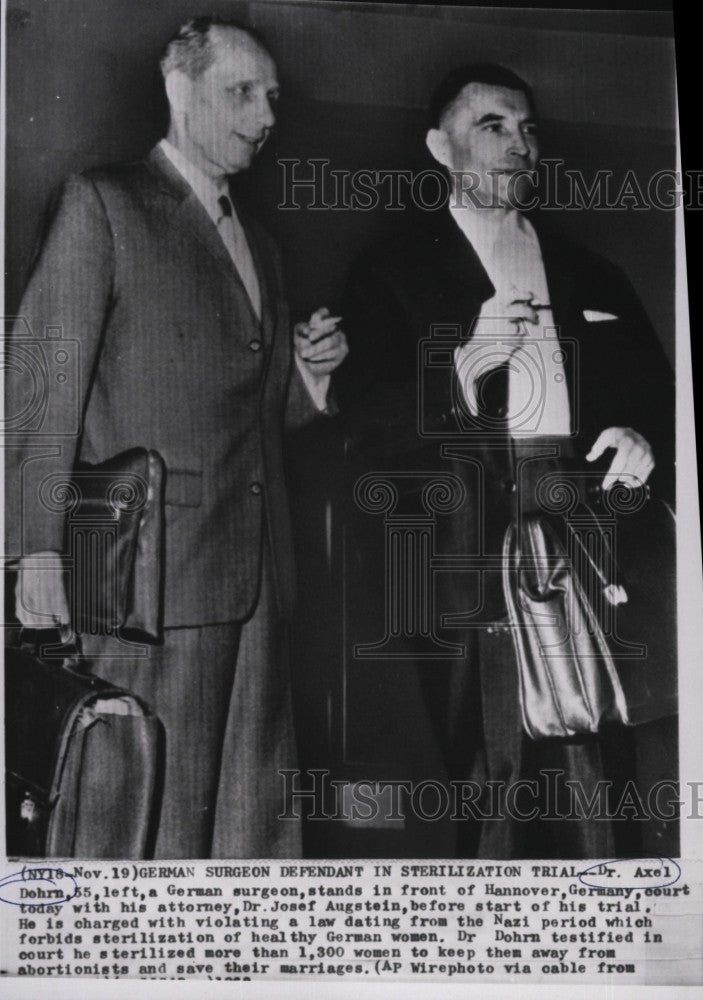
<point x="376" y="386"/>
<point x="51" y="357"/>
<point x="656" y="400"/>
<point x="374" y="323"/>
<point x="301" y="409"/>
<point x="300" y="406"/>
<point x="388" y="394"/>
<point x="637" y="388"/>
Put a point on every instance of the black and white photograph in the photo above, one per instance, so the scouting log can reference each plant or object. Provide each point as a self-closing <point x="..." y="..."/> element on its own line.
<point x="352" y="548"/>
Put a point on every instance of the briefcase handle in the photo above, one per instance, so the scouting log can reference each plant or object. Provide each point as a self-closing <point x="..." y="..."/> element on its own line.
<point x="47" y="644"/>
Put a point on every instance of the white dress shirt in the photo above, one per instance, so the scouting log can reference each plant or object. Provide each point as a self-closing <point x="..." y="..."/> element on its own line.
<point x="233" y="236"/>
<point x="509" y="250"/>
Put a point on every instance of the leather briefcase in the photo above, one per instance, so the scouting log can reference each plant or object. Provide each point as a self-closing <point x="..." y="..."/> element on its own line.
<point x="80" y="760"/>
<point x="591" y="602"/>
<point x="114" y="540"/>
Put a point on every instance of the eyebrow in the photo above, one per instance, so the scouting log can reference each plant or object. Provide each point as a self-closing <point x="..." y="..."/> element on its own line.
<point x="250" y="80"/>
<point x="492" y="117"/>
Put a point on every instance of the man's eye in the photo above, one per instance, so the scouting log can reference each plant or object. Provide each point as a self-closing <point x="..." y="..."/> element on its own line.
<point x="494" y="127"/>
<point x="241" y="90"/>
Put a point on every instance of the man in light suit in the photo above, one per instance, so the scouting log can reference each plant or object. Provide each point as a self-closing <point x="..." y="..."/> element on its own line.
<point x="510" y="288"/>
<point x="175" y="299"/>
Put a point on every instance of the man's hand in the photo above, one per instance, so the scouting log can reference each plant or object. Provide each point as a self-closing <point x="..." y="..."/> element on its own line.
<point x="503" y="319"/>
<point x="319" y="344"/>
<point x="633" y="461"/>
<point x="497" y="335"/>
<point x="40" y="594"/>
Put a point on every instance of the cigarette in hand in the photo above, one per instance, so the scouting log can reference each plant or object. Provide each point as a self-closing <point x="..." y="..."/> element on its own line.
<point x="321" y="325"/>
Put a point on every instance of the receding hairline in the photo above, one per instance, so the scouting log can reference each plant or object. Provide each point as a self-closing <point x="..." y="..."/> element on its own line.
<point x="196" y="46"/>
<point x="243" y="38"/>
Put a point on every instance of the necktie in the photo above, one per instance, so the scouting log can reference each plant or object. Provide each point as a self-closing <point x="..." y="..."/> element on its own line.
<point x="230" y="229"/>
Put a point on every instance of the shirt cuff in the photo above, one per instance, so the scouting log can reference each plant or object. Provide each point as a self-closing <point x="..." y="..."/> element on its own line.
<point x="317" y="386"/>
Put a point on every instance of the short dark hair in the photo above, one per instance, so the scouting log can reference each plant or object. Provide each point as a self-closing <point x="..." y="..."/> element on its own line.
<point x="455" y="81"/>
<point x="191" y="49"/>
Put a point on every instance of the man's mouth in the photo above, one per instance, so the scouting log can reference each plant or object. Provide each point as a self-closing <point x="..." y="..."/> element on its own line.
<point x="253" y="141"/>
<point x="514" y="168"/>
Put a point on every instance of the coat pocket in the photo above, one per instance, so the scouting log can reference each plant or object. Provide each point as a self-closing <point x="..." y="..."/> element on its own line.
<point x="184" y="487"/>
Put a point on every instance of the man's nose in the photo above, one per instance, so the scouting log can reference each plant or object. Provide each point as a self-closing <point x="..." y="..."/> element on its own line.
<point x="518" y="145"/>
<point x="265" y="114"/>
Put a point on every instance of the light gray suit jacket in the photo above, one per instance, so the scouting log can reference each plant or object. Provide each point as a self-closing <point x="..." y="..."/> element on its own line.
<point x="162" y="350"/>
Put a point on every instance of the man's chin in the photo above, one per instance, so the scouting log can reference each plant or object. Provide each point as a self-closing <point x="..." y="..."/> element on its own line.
<point x="242" y="162"/>
<point x="514" y="190"/>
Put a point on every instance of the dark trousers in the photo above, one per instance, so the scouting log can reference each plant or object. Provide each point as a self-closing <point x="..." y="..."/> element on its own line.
<point x="222" y="693"/>
<point x="475" y="709"/>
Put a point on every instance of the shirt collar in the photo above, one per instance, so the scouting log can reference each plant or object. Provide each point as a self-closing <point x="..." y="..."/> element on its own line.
<point x="207" y="191"/>
<point x="484" y="227"/>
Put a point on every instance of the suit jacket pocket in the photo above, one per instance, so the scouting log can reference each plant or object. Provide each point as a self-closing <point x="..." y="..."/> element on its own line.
<point x="184" y="487"/>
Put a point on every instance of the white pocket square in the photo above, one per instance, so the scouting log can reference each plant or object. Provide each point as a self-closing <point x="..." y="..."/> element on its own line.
<point x="593" y="316"/>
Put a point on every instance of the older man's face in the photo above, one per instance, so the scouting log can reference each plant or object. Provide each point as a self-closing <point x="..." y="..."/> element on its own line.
<point x="230" y="108"/>
<point x="488" y="129"/>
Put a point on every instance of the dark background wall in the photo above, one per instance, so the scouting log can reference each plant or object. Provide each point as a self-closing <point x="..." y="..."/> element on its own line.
<point x="83" y="89"/>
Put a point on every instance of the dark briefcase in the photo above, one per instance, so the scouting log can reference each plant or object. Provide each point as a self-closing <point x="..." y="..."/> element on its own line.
<point x="114" y="541"/>
<point x="80" y="759"/>
<point x="591" y="599"/>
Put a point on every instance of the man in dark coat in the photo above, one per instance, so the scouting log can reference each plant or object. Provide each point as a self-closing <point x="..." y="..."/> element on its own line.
<point x="484" y="346"/>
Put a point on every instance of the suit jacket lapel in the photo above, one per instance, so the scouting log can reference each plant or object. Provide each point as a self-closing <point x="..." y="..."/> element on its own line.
<point x="263" y="273"/>
<point x="456" y="261"/>
<point x="558" y="268"/>
<point x="457" y="271"/>
<point x="191" y="212"/>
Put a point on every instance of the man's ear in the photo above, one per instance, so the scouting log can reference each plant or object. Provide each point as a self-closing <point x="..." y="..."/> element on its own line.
<point x="178" y="88"/>
<point x="437" y="141"/>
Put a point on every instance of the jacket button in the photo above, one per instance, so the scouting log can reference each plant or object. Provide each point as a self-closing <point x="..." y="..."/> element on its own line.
<point x="254" y="345"/>
<point x="509" y="485"/>
<point x="502" y="411"/>
<point x="255" y="488"/>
